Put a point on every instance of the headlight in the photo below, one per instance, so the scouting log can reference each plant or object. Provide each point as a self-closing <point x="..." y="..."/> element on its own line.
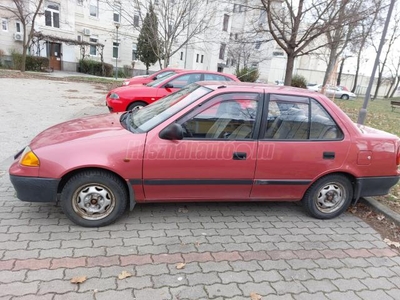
<point x="29" y="159"/>
<point x="125" y="83"/>
<point x="114" y="96"/>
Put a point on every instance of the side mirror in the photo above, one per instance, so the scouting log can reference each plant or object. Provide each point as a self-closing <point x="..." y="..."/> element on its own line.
<point x="168" y="86"/>
<point x="172" y="132"/>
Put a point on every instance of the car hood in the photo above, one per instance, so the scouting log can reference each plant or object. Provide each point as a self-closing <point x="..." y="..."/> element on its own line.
<point x="99" y="126"/>
<point x="132" y="89"/>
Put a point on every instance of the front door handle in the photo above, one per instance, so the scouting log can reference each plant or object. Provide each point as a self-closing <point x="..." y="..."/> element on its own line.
<point x="239" y="155"/>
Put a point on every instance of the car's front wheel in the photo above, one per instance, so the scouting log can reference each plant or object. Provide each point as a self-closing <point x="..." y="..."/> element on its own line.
<point x="328" y="197"/>
<point x="345" y="97"/>
<point x="136" y="105"/>
<point x="93" y="198"/>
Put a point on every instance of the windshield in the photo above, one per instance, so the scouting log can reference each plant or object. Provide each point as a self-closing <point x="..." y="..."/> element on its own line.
<point x="157" y="81"/>
<point x="150" y="116"/>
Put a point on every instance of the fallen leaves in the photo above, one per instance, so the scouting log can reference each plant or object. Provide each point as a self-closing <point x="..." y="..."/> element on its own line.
<point x="124" y="274"/>
<point x="183" y="210"/>
<point x="391" y="243"/>
<point x="255" y="296"/>
<point x="180" y="266"/>
<point x="78" y="279"/>
<point x="380" y="217"/>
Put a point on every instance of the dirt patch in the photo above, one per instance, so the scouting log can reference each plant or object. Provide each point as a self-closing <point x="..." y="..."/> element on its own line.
<point x="388" y="230"/>
<point x="72" y="91"/>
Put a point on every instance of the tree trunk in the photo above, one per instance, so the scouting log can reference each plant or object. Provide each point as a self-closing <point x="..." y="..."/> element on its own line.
<point x="353" y="89"/>
<point x="339" y="78"/>
<point x="331" y="66"/>
<point x="390" y="88"/>
<point x="289" y="69"/>
<point x="395" y="87"/>
<point x="23" y="58"/>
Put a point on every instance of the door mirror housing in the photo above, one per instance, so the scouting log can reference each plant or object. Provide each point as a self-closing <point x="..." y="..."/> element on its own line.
<point x="172" y="132"/>
<point x="168" y="86"/>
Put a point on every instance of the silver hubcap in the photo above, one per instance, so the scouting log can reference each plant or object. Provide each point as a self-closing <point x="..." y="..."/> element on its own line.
<point x="93" y="202"/>
<point x="330" y="198"/>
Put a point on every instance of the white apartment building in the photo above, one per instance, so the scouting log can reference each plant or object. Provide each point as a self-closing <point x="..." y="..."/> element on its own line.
<point x="67" y="30"/>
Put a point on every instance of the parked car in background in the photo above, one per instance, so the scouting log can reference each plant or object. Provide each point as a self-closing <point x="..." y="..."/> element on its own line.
<point x="144" y="79"/>
<point x="333" y="91"/>
<point x="137" y="96"/>
<point x="209" y="141"/>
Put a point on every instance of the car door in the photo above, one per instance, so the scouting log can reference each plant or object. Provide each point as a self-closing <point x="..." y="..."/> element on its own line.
<point x="301" y="142"/>
<point x="216" y="158"/>
<point x="177" y="83"/>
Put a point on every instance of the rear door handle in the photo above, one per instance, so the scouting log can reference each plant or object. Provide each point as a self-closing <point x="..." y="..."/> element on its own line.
<point x="239" y="155"/>
<point x="328" y="155"/>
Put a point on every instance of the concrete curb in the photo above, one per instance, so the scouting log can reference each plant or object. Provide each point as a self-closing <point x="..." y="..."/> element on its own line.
<point x="380" y="208"/>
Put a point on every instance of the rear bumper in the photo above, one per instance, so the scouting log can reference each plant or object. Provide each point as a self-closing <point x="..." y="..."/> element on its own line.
<point x="35" y="189"/>
<point x="374" y="186"/>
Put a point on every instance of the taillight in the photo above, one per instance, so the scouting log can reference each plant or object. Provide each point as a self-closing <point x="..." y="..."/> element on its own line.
<point x="398" y="156"/>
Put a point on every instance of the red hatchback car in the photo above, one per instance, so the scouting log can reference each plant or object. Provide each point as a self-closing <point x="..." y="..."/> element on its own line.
<point x="209" y="141"/>
<point x="136" y="96"/>
<point x="144" y="79"/>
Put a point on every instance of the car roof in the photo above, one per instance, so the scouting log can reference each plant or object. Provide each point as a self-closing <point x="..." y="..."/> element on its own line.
<point x="247" y="86"/>
<point x="181" y="71"/>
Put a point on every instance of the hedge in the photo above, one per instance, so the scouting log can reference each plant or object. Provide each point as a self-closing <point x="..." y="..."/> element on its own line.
<point x="32" y="63"/>
<point x="93" y="67"/>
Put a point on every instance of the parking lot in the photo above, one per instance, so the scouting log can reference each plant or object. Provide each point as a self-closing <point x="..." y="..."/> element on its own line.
<point x="172" y="251"/>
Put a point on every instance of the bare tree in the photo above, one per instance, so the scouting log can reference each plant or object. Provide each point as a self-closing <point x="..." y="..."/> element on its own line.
<point x="394" y="36"/>
<point x="294" y="25"/>
<point x="395" y="74"/>
<point x="26" y="12"/>
<point x="180" y="23"/>
<point x="362" y="33"/>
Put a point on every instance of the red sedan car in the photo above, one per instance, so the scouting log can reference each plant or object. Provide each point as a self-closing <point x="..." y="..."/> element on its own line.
<point x="209" y="141"/>
<point x="136" y="96"/>
<point x="144" y="79"/>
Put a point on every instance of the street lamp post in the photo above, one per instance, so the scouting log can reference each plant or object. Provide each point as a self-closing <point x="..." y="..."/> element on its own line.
<point x="117" y="54"/>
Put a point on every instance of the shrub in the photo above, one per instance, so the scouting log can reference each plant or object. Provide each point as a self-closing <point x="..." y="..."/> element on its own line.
<point x="32" y="63"/>
<point x="299" y="81"/>
<point x="247" y="74"/>
<point x="89" y="66"/>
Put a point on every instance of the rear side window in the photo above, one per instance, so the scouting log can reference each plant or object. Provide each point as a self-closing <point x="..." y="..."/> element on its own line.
<point x="299" y="118"/>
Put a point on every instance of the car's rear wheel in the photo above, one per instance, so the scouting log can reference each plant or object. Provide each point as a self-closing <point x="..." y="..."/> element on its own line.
<point x="328" y="197"/>
<point x="93" y="198"/>
<point x="345" y="97"/>
<point x="136" y="105"/>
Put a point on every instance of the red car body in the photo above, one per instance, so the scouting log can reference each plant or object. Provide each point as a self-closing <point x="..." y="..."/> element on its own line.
<point x="128" y="97"/>
<point x="194" y="145"/>
<point x="144" y="79"/>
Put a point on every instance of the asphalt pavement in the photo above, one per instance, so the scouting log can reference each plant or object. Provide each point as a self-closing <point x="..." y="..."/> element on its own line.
<point x="172" y="251"/>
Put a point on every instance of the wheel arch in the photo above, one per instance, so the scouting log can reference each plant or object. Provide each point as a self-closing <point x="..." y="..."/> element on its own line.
<point x="352" y="179"/>
<point x="67" y="176"/>
<point x="136" y="101"/>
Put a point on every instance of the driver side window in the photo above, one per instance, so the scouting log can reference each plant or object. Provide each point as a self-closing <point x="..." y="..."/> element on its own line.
<point x="231" y="117"/>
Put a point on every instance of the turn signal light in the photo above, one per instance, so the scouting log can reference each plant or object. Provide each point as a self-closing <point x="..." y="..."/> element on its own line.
<point x="29" y="159"/>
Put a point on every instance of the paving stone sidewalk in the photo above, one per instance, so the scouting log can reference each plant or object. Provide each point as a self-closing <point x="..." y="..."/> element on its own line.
<point x="230" y="250"/>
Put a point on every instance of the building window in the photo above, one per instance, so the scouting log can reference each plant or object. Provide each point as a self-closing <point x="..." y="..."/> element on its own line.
<point x="18" y="27"/>
<point x="134" y="51"/>
<point x="155" y="2"/>
<point x="235" y="7"/>
<point x="236" y="36"/>
<point x="117" y="14"/>
<point x="226" y="23"/>
<point x="94" y="8"/>
<point x="197" y="58"/>
<point x="181" y="55"/>
<point x="263" y="17"/>
<point x="115" y="50"/>
<point x="258" y="44"/>
<point x="222" y="51"/>
<point x="4" y="24"/>
<point x="136" y="20"/>
<point x="52" y="15"/>
<point x="79" y="2"/>
<point x="93" y="48"/>
<point x="202" y="59"/>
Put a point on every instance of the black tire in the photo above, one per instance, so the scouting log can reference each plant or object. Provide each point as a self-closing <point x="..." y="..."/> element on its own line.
<point x="94" y="198"/>
<point x="345" y="97"/>
<point x="135" y="104"/>
<point x="328" y="197"/>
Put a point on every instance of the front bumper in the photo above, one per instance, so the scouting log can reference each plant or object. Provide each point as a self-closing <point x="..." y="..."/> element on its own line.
<point x="374" y="186"/>
<point x="35" y="189"/>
